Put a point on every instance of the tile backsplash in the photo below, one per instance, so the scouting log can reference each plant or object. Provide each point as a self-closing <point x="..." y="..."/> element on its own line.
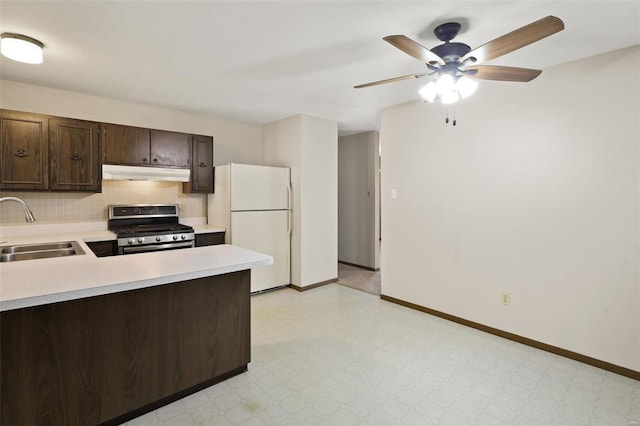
<point x="53" y="207"/>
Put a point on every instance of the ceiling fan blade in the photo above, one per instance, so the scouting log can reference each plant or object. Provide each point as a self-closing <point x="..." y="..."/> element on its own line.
<point x="413" y="48"/>
<point x="390" y="80"/>
<point x="499" y="73"/>
<point x="516" y="39"/>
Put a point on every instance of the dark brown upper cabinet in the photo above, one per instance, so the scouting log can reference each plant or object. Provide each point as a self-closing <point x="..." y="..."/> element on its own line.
<point x="135" y="146"/>
<point x="126" y="145"/>
<point x="74" y="155"/>
<point x="202" y="166"/>
<point x="39" y="152"/>
<point x="24" y="151"/>
<point x="170" y="149"/>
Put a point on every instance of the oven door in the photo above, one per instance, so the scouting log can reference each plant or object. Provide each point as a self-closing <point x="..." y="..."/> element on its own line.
<point x="155" y="247"/>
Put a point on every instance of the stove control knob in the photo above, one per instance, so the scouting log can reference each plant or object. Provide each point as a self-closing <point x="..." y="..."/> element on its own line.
<point x="141" y="240"/>
<point x="158" y="238"/>
<point x="184" y="237"/>
<point x="175" y="237"/>
<point x="131" y="241"/>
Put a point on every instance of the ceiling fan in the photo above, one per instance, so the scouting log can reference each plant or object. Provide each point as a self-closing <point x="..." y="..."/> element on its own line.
<point x="453" y="62"/>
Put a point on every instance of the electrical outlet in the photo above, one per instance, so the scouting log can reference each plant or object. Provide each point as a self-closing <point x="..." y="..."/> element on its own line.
<point x="506" y="298"/>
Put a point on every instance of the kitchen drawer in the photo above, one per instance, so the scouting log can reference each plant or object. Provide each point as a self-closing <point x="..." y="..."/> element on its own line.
<point x="209" y="239"/>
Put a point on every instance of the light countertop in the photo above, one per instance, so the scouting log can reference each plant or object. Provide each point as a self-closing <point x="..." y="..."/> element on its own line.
<point x="203" y="229"/>
<point x="42" y="281"/>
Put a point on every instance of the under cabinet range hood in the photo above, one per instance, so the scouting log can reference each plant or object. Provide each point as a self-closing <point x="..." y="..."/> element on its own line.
<point x="115" y="172"/>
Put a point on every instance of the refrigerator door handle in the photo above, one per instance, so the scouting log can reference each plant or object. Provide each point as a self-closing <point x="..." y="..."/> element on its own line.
<point x="289" y="191"/>
<point x="289" y="222"/>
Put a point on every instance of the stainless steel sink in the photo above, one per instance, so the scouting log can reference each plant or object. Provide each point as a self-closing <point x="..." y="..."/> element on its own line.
<point x="39" y="251"/>
<point x="37" y="247"/>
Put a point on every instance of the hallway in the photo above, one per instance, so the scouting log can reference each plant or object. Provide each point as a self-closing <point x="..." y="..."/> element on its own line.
<point x="359" y="279"/>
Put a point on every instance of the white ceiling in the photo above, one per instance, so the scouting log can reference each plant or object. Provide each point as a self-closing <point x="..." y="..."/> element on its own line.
<point x="265" y="60"/>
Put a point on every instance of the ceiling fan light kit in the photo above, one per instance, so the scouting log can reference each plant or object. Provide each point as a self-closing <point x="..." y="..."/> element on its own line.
<point x="453" y="63"/>
<point x="466" y="86"/>
<point x="448" y="89"/>
<point x="21" y="48"/>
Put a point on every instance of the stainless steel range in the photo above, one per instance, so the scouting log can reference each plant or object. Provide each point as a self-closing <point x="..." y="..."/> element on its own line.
<point x="149" y="227"/>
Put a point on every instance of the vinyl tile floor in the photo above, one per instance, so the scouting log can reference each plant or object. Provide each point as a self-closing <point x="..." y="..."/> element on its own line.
<point x="338" y="356"/>
<point x="359" y="278"/>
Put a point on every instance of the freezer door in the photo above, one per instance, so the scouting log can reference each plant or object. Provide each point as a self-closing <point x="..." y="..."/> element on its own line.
<point x="266" y="232"/>
<point x="260" y="188"/>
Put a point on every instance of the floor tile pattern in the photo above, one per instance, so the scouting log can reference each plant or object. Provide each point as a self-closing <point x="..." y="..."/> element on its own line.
<point x="336" y="356"/>
<point x="359" y="278"/>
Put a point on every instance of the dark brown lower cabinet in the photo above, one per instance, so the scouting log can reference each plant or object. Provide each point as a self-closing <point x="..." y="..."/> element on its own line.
<point x="107" y="359"/>
<point x="209" y="239"/>
<point x="103" y="248"/>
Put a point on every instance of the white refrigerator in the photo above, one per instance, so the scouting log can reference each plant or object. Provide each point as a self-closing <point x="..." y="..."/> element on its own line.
<point x="254" y="204"/>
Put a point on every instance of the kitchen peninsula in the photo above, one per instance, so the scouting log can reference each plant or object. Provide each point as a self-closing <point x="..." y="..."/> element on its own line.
<point x="87" y="340"/>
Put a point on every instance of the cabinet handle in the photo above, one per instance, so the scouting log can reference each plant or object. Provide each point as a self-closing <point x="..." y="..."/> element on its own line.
<point x="144" y="160"/>
<point x="21" y="153"/>
<point x="202" y="165"/>
<point x="155" y="160"/>
<point x="75" y="157"/>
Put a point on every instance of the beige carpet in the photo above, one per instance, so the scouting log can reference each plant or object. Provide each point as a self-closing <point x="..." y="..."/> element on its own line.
<point x="359" y="279"/>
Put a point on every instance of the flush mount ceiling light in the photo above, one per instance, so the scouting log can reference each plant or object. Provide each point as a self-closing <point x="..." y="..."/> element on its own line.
<point x="21" y="48"/>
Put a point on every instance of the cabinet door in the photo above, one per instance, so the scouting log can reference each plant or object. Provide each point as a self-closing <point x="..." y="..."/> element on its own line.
<point x="23" y="151"/>
<point x="201" y="166"/>
<point x="170" y="149"/>
<point x="209" y="239"/>
<point x="125" y="145"/>
<point x="74" y="155"/>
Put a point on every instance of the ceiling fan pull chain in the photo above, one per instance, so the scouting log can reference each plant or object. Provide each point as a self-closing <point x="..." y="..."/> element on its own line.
<point x="446" y="120"/>
<point x="454" y="116"/>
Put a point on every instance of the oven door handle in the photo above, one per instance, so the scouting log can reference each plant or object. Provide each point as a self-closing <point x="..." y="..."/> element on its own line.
<point x="157" y="247"/>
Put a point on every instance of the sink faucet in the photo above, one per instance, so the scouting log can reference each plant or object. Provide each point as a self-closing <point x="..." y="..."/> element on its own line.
<point x="28" y="215"/>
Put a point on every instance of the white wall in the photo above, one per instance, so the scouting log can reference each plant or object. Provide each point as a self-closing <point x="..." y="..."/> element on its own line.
<point x="281" y="147"/>
<point x="358" y="212"/>
<point x="308" y="146"/>
<point x="319" y="200"/>
<point x="536" y="192"/>
<point x="233" y="140"/>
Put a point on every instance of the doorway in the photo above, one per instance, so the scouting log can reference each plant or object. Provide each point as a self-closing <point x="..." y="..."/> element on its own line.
<point x="359" y="211"/>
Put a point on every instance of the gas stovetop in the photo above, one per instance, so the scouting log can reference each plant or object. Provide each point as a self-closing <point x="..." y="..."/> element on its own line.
<point x="149" y="229"/>
<point x="148" y="224"/>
